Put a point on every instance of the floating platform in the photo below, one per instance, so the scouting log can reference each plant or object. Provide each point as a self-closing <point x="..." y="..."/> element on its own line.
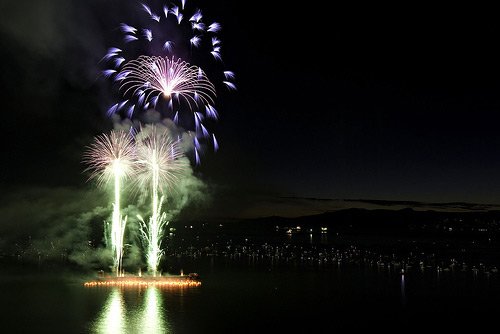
<point x="190" y="280"/>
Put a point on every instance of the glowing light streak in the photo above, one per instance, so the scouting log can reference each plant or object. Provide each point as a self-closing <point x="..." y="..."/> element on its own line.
<point x="146" y="8"/>
<point x="211" y="112"/>
<point x="229" y="75"/>
<point x="127" y="29"/>
<point x="197" y="16"/>
<point x="214" y="27"/>
<point x="118" y="61"/>
<point x="108" y="73"/>
<point x="200" y="26"/>
<point x="148" y="34"/>
<point x="175" y="10"/>
<point x="216" y="144"/>
<point x="216" y="55"/>
<point x="155" y="17"/>
<point x="230" y="85"/>
<point x="195" y="41"/>
<point x="215" y="41"/>
<point x="129" y="38"/>
<point x="179" y="18"/>
<point x="168" y="46"/>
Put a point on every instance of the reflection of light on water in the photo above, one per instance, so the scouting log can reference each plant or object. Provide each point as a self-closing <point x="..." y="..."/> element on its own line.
<point x="118" y="316"/>
<point x="152" y="314"/>
<point x="403" y="289"/>
<point x="111" y="319"/>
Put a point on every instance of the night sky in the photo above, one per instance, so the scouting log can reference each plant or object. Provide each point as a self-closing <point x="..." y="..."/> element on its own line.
<point x="375" y="103"/>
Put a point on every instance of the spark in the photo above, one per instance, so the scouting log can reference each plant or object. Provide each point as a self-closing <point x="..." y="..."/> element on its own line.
<point x="155" y="17"/>
<point x="154" y="101"/>
<point x="204" y="131"/>
<point x="112" y="52"/>
<point x="198" y="26"/>
<point x="112" y="110"/>
<point x="129" y="38"/>
<point x="122" y="75"/>
<point x="197" y="16"/>
<point x="195" y="41"/>
<point x="119" y="61"/>
<point x="229" y="75"/>
<point x="214" y="27"/>
<point x="148" y="34"/>
<point x="141" y="96"/>
<point x="196" y="156"/>
<point x="230" y="85"/>
<point x="168" y="46"/>
<point x="116" y="107"/>
<point x="215" y="41"/>
<point x="130" y="111"/>
<point x="108" y="73"/>
<point x="127" y="29"/>
<point x="175" y="10"/>
<point x="146" y="8"/>
<point x="121" y="104"/>
<point x="216" y="55"/>
<point x="211" y="112"/>
<point x="216" y="144"/>
<point x="179" y="18"/>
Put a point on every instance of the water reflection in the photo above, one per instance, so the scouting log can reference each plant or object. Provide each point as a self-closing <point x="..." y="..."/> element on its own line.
<point x="153" y="320"/>
<point x="403" y="289"/>
<point x="111" y="319"/>
<point x="139" y="316"/>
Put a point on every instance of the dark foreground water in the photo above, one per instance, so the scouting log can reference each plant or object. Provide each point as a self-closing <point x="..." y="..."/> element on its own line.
<point x="245" y="297"/>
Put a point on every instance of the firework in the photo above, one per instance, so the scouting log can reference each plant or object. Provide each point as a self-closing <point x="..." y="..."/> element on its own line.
<point x="147" y="65"/>
<point x="150" y="77"/>
<point x="160" y="163"/>
<point x="112" y="157"/>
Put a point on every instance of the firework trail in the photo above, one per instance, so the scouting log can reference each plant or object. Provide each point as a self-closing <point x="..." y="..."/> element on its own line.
<point x="160" y="164"/>
<point x="146" y="63"/>
<point x="112" y="157"/>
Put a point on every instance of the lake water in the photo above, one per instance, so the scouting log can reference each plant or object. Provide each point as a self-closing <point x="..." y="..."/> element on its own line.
<point x="249" y="297"/>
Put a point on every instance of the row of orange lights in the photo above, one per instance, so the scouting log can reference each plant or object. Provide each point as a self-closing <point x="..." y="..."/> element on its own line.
<point x="143" y="283"/>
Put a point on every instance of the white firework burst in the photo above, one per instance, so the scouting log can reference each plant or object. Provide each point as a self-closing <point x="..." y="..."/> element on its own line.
<point x="148" y="77"/>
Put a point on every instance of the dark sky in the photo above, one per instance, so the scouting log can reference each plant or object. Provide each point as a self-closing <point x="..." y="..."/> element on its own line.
<point x="381" y="103"/>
